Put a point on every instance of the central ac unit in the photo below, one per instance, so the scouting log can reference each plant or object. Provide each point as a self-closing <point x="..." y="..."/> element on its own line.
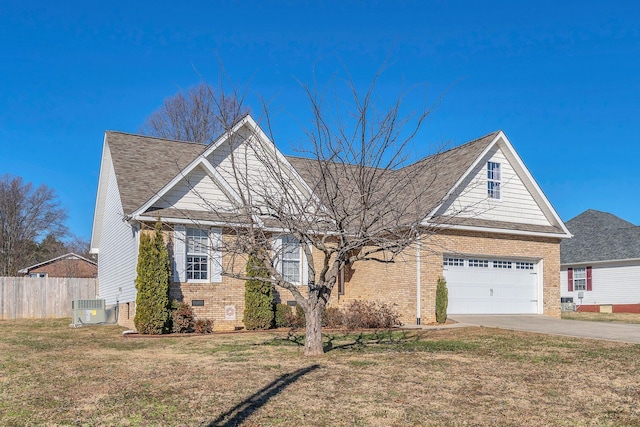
<point x="88" y="312"/>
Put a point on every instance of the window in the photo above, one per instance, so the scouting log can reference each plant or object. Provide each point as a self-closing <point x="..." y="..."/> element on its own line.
<point x="38" y="275"/>
<point x="480" y="263"/>
<point x="493" y="180"/>
<point x="291" y="255"/>
<point x="501" y="264"/>
<point x="453" y="262"/>
<point x="197" y="254"/>
<point x="524" y="265"/>
<point x="580" y="279"/>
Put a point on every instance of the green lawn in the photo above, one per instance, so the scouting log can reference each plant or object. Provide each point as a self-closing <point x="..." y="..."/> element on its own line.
<point x="53" y="375"/>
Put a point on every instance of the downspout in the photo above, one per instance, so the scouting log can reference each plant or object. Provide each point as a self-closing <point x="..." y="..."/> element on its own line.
<point x="418" y="281"/>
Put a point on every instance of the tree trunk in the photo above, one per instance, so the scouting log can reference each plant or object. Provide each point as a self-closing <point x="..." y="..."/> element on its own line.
<point x="313" y="340"/>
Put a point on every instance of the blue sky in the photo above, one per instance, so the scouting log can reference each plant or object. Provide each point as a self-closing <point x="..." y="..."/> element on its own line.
<point x="562" y="79"/>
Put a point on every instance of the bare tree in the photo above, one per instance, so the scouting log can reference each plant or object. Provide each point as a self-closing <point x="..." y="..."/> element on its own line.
<point x="359" y="200"/>
<point x="198" y="114"/>
<point x="26" y="215"/>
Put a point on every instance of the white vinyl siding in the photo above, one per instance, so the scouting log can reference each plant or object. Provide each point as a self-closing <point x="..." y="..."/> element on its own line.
<point x="118" y="255"/>
<point x="614" y="283"/>
<point x="516" y="203"/>
<point x="251" y="167"/>
<point x="197" y="191"/>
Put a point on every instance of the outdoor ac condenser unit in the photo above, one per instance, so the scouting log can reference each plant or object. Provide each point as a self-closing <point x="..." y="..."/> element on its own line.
<point x="88" y="311"/>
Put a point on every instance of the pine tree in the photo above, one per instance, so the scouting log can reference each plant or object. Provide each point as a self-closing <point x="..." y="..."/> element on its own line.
<point x="258" y="297"/>
<point x="153" y="308"/>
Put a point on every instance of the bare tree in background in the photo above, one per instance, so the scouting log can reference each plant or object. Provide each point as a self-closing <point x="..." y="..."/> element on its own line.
<point x="199" y="114"/>
<point x="26" y="215"/>
<point x="362" y="202"/>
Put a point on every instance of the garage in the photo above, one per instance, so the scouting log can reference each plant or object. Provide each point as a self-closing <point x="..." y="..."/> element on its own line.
<point x="491" y="286"/>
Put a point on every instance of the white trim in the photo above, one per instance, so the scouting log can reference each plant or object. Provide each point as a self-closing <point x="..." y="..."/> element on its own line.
<point x="498" y="230"/>
<point x="418" y="284"/>
<point x="609" y="261"/>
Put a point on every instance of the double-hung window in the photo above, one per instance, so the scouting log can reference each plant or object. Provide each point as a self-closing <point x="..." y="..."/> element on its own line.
<point x="291" y="259"/>
<point x="494" y="179"/>
<point x="580" y="279"/>
<point x="197" y="254"/>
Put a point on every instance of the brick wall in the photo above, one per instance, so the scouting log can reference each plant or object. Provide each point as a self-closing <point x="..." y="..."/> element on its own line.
<point x="396" y="283"/>
<point x="392" y="283"/>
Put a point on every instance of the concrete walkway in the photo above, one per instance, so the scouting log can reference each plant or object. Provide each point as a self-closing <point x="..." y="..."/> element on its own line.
<point x="623" y="332"/>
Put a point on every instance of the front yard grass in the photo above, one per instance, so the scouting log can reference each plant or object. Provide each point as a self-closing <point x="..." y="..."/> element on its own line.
<point x="602" y="317"/>
<point x="53" y="375"/>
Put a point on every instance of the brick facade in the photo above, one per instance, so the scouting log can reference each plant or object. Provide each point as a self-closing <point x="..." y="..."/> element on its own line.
<point x="391" y="283"/>
<point x="396" y="283"/>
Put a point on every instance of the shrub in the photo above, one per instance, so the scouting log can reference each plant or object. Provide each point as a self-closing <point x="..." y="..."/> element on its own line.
<point x="370" y="315"/>
<point x="153" y="311"/>
<point x="298" y="320"/>
<point x="183" y="318"/>
<point x="332" y="317"/>
<point x="258" y="297"/>
<point x="283" y="311"/>
<point x="442" y="300"/>
<point x="203" y="326"/>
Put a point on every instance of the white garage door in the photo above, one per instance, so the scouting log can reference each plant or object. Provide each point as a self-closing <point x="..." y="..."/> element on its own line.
<point x="491" y="286"/>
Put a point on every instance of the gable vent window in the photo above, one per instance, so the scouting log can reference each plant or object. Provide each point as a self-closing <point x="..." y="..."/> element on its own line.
<point x="494" y="178"/>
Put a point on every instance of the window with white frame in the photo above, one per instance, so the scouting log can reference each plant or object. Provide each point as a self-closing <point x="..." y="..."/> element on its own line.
<point x="291" y="259"/>
<point x="494" y="178"/>
<point x="197" y="254"/>
<point x="580" y="279"/>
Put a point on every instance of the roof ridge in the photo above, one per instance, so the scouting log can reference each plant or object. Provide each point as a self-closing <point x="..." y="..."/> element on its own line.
<point x="413" y="163"/>
<point x="155" y="137"/>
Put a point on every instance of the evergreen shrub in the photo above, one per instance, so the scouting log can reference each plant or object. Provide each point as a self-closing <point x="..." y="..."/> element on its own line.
<point x="153" y="309"/>
<point x="258" y="297"/>
<point x="442" y="300"/>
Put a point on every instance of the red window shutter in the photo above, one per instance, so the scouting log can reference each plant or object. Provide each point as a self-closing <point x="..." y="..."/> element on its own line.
<point x="589" y="280"/>
<point x="570" y="279"/>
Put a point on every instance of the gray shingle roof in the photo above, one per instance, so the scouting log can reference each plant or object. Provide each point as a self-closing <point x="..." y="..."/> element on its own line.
<point x="600" y="236"/>
<point x="144" y="164"/>
<point x="437" y="173"/>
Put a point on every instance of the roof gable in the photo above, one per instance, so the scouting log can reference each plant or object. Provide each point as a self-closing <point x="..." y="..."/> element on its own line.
<point x="68" y="256"/>
<point x="523" y="207"/>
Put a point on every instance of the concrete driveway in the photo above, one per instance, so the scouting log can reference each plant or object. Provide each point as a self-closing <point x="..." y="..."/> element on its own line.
<point x="548" y="325"/>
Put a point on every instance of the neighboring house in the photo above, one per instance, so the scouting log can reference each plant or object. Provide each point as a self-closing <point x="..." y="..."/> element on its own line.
<point x="68" y="265"/>
<point x="600" y="265"/>
<point x="498" y="243"/>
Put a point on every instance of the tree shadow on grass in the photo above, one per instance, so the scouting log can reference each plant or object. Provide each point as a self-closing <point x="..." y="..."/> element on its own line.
<point x="239" y="413"/>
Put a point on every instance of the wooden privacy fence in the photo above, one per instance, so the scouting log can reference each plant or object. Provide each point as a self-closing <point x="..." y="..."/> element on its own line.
<point x="42" y="297"/>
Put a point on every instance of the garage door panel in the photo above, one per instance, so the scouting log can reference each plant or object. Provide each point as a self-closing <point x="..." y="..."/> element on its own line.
<point x="475" y="290"/>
